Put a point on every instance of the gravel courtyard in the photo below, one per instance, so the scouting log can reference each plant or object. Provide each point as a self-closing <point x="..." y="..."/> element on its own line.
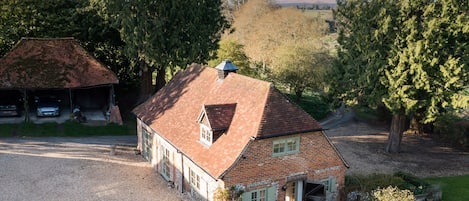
<point x="78" y="169"/>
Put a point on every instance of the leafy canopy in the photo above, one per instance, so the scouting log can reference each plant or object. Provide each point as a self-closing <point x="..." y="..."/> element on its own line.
<point x="167" y="33"/>
<point x="301" y="66"/>
<point x="231" y="49"/>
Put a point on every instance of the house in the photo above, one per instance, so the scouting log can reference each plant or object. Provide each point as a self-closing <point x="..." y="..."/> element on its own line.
<point x="210" y="129"/>
<point x="59" y="68"/>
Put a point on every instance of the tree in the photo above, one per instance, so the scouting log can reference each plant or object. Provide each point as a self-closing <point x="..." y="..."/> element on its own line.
<point x="54" y="18"/>
<point x="166" y="34"/>
<point x="263" y="27"/>
<point x="60" y="18"/>
<point x="34" y="19"/>
<point x="301" y="66"/>
<point x="232" y="50"/>
<point x="409" y="55"/>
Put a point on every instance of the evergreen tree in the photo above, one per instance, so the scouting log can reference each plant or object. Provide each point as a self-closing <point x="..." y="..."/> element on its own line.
<point x="409" y="55"/>
<point x="166" y="34"/>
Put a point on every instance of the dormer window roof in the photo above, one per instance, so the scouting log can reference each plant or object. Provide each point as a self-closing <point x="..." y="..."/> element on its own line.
<point x="214" y="120"/>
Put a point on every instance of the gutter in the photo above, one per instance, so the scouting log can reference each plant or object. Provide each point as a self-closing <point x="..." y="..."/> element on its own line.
<point x="336" y="150"/>
<point x="287" y="133"/>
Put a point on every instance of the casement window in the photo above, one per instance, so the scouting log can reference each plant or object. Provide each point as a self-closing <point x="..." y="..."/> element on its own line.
<point x="166" y="165"/>
<point x="286" y="146"/>
<point x="147" y="144"/>
<point x="258" y="195"/>
<point x="206" y="135"/>
<point x="264" y="194"/>
<point x="194" y="179"/>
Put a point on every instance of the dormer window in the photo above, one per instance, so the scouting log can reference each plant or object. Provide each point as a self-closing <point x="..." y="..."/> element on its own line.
<point x="206" y="134"/>
<point x="214" y="120"/>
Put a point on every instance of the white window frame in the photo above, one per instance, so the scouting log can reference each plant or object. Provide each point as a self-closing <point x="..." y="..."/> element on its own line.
<point x="286" y="146"/>
<point x="194" y="179"/>
<point x="166" y="163"/>
<point x="206" y="134"/>
<point x="147" y="144"/>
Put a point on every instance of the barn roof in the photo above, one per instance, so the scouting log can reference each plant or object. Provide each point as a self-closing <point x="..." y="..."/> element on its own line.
<point x="51" y="63"/>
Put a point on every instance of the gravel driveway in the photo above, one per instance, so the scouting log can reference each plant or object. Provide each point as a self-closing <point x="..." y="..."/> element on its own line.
<point x="78" y="169"/>
<point x="362" y="145"/>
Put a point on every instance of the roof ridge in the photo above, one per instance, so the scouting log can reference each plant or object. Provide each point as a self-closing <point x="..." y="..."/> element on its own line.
<point x="237" y="74"/>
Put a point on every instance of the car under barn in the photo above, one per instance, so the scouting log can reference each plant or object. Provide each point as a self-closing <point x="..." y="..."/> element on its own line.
<point x="46" y="78"/>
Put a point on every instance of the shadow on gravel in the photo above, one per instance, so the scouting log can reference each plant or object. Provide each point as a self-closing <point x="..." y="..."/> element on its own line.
<point x="108" y="149"/>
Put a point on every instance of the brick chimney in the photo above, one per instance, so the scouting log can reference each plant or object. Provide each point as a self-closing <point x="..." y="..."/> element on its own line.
<point x="224" y="68"/>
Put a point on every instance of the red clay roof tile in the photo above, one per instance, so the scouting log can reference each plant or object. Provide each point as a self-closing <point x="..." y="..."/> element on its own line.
<point x="48" y="63"/>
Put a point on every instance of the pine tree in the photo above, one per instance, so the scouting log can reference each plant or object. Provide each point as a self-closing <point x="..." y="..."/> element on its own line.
<point x="409" y="55"/>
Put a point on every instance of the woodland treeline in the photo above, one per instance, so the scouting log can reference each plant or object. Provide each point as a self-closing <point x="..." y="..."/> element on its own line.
<point x="409" y="58"/>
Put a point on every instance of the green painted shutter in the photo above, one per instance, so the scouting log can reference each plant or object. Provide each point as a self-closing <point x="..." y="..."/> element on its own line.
<point x="247" y="196"/>
<point x="272" y="193"/>
<point x="332" y="185"/>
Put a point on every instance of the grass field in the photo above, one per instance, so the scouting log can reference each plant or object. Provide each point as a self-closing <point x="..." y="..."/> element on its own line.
<point x="67" y="129"/>
<point x="454" y="188"/>
<point x="313" y="104"/>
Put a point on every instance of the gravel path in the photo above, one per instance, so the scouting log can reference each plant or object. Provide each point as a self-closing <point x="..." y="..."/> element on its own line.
<point x="78" y="169"/>
<point x="362" y="146"/>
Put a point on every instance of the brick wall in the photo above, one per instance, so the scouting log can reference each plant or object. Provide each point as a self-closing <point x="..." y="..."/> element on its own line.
<point x="316" y="160"/>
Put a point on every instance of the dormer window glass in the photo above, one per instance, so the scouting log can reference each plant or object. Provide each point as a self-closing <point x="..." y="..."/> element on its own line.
<point x="206" y="134"/>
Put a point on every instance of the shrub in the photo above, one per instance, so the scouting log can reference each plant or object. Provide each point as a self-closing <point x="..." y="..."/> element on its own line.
<point x="233" y="193"/>
<point x="371" y="182"/>
<point x="453" y="129"/>
<point x="412" y="183"/>
<point x="366" y="185"/>
<point x="391" y="193"/>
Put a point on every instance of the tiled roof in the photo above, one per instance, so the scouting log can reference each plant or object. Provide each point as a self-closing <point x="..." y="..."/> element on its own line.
<point x="261" y="111"/>
<point x="282" y="116"/>
<point x="219" y="116"/>
<point x="49" y="63"/>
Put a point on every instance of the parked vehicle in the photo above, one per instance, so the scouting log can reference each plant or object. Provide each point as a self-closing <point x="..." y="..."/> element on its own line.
<point x="9" y="110"/>
<point x="47" y="106"/>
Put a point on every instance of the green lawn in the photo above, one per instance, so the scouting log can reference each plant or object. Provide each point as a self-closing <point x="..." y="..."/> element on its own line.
<point x="454" y="188"/>
<point x="313" y="104"/>
<point x="67" y="129"/>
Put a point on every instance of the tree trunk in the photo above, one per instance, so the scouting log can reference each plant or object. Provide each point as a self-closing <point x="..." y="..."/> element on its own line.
<point x="27" y="118"/>
<point x="160" y="78"/>
<point x="298" y="92"/>
<point x="416" y="127"/>
<point x="395" y="133"/>
<point x="146" y="87"/>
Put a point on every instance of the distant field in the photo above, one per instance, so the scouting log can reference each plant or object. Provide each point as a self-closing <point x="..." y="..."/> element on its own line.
<point x="324" y="14"/>
<point x="308" y="3"/>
